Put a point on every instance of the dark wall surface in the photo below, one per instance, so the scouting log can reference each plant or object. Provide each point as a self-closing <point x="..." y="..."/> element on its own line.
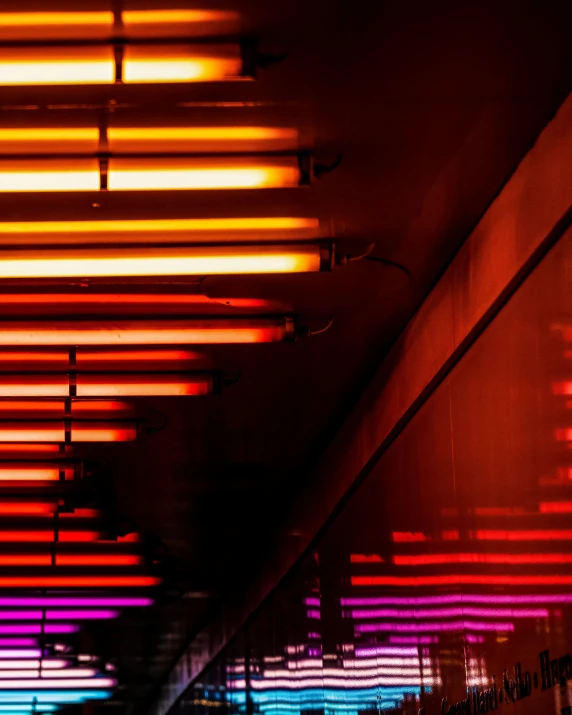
<point x="449" y="572"/>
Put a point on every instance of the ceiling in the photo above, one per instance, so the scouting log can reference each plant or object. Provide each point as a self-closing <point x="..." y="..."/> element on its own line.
<point x="431" y="107"/>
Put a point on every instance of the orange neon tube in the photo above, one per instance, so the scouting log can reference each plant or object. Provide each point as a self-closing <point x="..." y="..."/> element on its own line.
<point x="96" y="385"/>
<point x="93" y="263"/>
<point x="267" y="229"/>
<point x="144" y="332"/>
<point x="143" y="385"/>
<point x="201" y="139"/>
<point x="153" y="174"/>
<point x="35" y="450"/>
<point x="55" y="431"/>
<point x="59" y="140"/>
<point x="55" y="25"/>
<point x="32" y="472"/>
<point x="78" y="581"/>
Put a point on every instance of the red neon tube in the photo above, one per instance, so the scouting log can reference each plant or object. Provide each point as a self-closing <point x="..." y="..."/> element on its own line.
<point x="55" y="431"/>
<point x="27" y="508"/>
<point x="97" y="560"/>
<point x="46" y="536"/>
<point x="78" y="581"/>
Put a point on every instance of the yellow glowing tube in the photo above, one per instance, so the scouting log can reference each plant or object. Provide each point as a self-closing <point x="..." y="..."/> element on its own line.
<point x="180" y="63"/>
<point x="49" y="175"/>
<point x="160" y="174"/>
<point x="57" y="65"/>
<point x="160" y="261"/>
<point x="14" y="140"/>
<point x="267" y="228"/>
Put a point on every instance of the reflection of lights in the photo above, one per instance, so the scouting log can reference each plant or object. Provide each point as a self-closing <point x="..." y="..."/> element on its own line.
<point x="451" y="613"/>
<point x="463" y="579"/>
<point x="456" y="598"/>
<point x="522" y="535"/>
<point x="475" y="558"/>
<point x="555" y="507"/>
<point x="450" y="626"/>
<point x="365" y="559"/>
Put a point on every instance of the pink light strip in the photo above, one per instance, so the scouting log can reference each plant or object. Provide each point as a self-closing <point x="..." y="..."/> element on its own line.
<point x="38" y="628"/>
<point x="452" y="613"/>
<point x="455" y="598"/>
<point x="435" y="627"/>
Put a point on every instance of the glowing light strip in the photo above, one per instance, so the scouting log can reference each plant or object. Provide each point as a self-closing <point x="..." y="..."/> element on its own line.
<point x="462" y="579"/>
<point x="48" y="536"/>
<point x="38" y="674"/>
<point x="55" y="19"/>
<point x="38" y="629"/>
<point x="168" y="230"/>
<point x="471" y="612"/>
<point x="33" y="664"/>
<point x="19" y="652"/>
<point x="76" y="601"/>
<point x="32" y="473"/>
<point x="77" y="581"/>
<point x="55" y="432"/>
<point x="456" y="598"/>
<point x="476" y="558"/>
<point x="68" y="683"/>
<point x="159" y="332"/>
<point x="160" y="261"/>
<point x="49" y="615"/>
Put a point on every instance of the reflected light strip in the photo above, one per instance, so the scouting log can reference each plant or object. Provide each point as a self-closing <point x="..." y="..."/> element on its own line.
<point x="555" y="507"/>
<point x="329" y="682"/>
<point x="365" y="559"/>
<point x="77" y="601"/>
<point x="522" y="535"/>
<point x="463" y="579"/>
<point x="418" y="640"/>
<point x="386" y="651"/>
<point x="133" y="332"/>
<point x="452" y="613"/>
<point x="405" y="537"/>
<point x="496" y="627"/>
<point x="457" y="598"/>
<point x="77" y="581"/>
<point x="475" y="558"/>
<point x="156" y="175"/>
<point x="98" y="263"/>
<point x="259" y="229"/>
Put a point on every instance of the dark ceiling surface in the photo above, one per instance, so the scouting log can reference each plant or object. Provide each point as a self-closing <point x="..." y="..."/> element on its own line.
<point x="431" y="105"/>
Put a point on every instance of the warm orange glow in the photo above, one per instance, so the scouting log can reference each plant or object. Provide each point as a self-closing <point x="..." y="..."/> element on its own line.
<point x="78" y="581"/>
<point x="57" y="65"/>
<point x="21" y="408"/>
<point x="89" y="263"/>
<point x="92" y="357"/>
<point x="32" y="449"/>
<point x="30" y="473"/>
<point x="523" y="535"/>
<point x="201" y="139"/>
<point x="32" y="432"/>
<point x="25" y="560"/>
<point x="26" y="508"/>
<point x="159" y="332"/>
<point x="82" y="408"/>
<point x="49" y="174"/>
<point x="103" y="432"/>
<point x="34" y="386"/>
<point x="166" y="230"/>
<point x="180" y="63"/>
<point x="475" y="558"/>
<point x="98" y="560"/>
<point x="143" y="385"/>
<point x="22" y="359"/>
<point x="210" y="173"/>
<point x="176" y="17"/>
<point x="41" y="140"/>
<point x="60" y="25"/>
